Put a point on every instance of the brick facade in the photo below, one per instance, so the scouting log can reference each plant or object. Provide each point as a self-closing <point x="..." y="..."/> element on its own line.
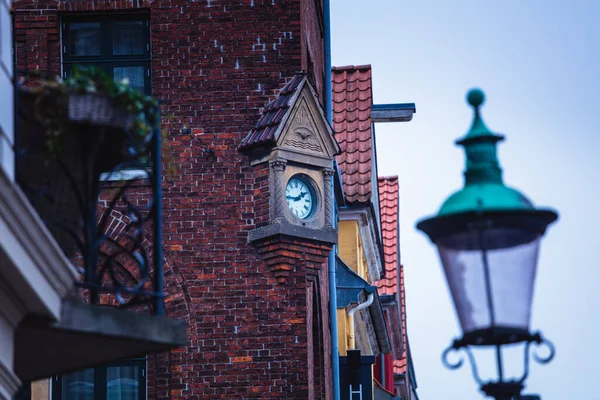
<point x="215" y="64"/>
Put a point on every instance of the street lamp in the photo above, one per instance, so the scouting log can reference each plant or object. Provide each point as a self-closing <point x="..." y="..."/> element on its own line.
<point x="488" y="237"/>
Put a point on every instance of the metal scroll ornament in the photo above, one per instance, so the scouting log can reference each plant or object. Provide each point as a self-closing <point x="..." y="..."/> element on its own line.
<point x="97" y="190"/>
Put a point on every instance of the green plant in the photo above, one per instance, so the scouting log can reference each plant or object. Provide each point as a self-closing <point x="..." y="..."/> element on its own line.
<point x="53" y="114"/>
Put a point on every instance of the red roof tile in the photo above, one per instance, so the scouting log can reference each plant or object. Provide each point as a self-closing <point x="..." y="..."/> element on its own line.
<point x="272" y="115"/>
<point x="394" y="271"/>
<point x="388" y="209"/>
<point x="352" y="100"/>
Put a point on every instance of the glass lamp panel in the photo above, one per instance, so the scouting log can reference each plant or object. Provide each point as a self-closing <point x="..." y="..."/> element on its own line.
<point x="127" y="37"/>
<point x="85" y="39"/>
<point x="512" y="261"/>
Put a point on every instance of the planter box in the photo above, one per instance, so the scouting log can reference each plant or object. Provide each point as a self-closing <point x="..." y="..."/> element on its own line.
<point x="98" y="110"/>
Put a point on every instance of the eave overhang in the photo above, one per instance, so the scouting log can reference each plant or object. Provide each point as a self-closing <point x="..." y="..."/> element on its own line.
<point x="86" y="335"/>
<point x="400" y="112"/>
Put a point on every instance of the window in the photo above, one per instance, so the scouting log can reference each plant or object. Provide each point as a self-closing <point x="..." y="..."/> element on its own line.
<point x="123" y="381"/>
<point x="120" y="45"/>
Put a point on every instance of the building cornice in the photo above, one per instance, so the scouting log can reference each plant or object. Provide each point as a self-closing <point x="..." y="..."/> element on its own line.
<point x="32" y="263"/>
<point x="368" y="235"/>
<point x="9" y="382"/>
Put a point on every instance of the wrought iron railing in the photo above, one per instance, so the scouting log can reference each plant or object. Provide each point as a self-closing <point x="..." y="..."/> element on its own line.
<point x="107" y="224"/>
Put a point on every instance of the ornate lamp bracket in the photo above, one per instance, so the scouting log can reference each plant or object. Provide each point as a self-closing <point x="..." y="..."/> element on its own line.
<point x="500" y="389"/>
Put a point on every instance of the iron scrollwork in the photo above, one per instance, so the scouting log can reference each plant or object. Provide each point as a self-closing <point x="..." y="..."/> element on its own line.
<point x="500" y="388"/>
<point x="106" y="223"/>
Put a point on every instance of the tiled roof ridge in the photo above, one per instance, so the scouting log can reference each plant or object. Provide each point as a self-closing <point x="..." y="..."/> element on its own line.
<point x="351" y="67"/>
<point x="290" y="86"/>
<point x="273" y="114"/>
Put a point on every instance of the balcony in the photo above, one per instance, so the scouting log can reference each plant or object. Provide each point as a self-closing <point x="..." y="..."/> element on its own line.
<point x="98" y="231"/>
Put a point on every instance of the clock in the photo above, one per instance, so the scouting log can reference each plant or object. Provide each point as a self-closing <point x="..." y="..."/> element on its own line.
<point x="300" y="196"/>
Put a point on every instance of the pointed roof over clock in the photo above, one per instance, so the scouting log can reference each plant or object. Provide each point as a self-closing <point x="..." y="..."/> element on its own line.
<point x="294" y="120"/>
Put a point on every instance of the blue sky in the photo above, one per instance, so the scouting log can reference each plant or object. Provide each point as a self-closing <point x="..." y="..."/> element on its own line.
<point x="538" y="63"/>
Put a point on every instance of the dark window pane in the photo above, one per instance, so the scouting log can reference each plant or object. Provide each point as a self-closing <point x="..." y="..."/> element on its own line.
<point x="78" y="385"/>
<point x="122" y="383"/>
<point x="85" y="39"/>
<point x="127" y="37"/>
<point x="134" y="74"/>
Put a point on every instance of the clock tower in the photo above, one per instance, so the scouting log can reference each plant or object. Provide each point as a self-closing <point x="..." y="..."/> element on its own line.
<point x="295" y="141"/>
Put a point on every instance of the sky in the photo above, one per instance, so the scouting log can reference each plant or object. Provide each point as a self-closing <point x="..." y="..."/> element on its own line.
<point x="538" y="63"/>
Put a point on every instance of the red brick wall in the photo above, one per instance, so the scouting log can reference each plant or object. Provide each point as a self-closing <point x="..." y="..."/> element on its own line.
<point x="313" y="45"/>
<point x="215" y="63"/>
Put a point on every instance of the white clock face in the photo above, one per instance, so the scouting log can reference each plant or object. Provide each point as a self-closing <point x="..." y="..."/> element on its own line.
<point x="299" y="196"/>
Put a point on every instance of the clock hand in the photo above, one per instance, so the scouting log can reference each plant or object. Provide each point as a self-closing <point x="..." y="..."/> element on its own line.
<point x="293" y="198"/>
<point x="302" y="195"/>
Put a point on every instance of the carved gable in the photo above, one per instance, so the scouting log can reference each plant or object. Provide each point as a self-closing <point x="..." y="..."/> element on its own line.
<point x="301" y="133"/>
<point x="306" y="129"/>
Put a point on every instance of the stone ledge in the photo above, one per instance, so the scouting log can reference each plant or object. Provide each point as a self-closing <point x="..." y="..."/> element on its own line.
<point x="287" y="229"/>
<point x="88" y="335"/>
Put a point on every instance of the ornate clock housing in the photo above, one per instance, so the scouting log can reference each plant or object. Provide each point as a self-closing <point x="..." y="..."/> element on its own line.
<point x="300" y="173"/>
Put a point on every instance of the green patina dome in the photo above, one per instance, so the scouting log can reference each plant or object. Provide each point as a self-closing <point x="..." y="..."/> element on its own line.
<point x="484" y="189"/>
<point x="484" y="199"/>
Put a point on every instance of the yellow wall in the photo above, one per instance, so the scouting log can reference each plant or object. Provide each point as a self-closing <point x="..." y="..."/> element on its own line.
<point x="348" y="239"/>
<point x="40" y="390"/>
<point x="342" y="322"/>
<point x="350" y="248"/>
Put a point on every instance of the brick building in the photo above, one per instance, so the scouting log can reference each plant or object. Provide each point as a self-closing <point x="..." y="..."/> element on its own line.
<point x="249" y="220"/>
<point x="244" y="271"/>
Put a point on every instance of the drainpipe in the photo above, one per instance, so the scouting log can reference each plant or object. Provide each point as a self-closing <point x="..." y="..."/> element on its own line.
<point x="328" y="94"/>
<point x="335" y="360"/>
<point x="361" y="306"/>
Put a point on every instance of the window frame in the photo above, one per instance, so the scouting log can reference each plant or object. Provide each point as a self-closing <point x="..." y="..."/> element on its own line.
<point x="100" y="379"/>
<point x="106" y="60"/>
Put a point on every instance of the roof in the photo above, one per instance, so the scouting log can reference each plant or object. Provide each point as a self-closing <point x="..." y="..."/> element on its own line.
<point x="388" y="210"/>
<point x="394" y="281"/>
<point x="273" y="114"/>
<point x="352" y="102"/>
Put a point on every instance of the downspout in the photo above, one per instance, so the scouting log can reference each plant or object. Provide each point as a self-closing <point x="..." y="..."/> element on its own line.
<point x="335" y="361"/>
<point x="328" y="94"/>
<point x="361" y="306"/>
